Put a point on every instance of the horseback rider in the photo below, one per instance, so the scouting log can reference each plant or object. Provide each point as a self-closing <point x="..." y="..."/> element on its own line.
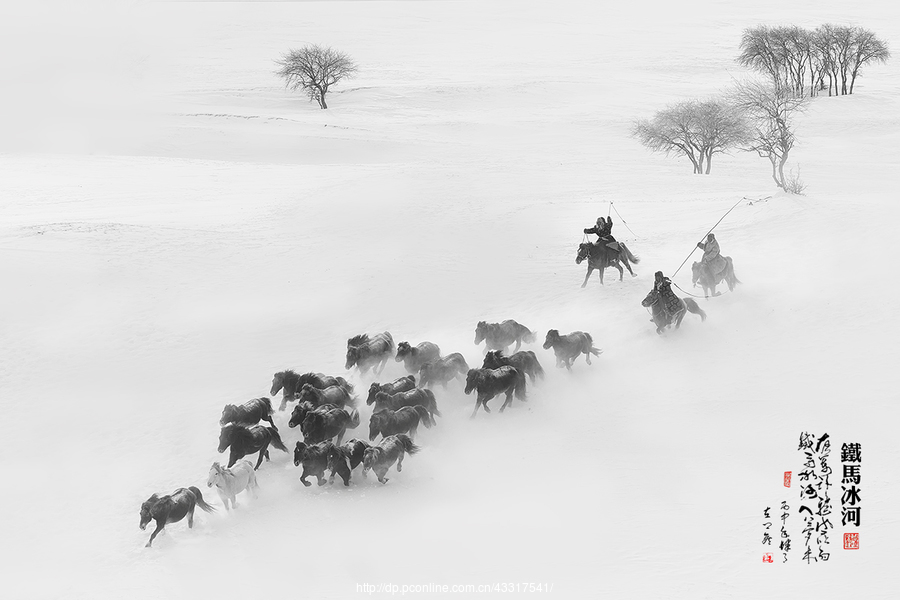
<point x="671" y="302"/>
<point x="711" y="257"/>
<point x="603" y="229"/>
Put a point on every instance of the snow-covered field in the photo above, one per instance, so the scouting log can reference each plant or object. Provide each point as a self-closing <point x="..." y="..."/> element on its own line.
<point x="176" y="227"/>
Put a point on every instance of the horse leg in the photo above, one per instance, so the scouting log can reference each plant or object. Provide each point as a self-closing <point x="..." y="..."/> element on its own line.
<point x="518" y="345"/>
<point x="319" y="477"/>
<point x="477" y="404"/>
<point x="586" y="277"/>
<point x="259" y="462"/>
<point x="621" y="272"/>
<point x="628" y="266"/>
<point x="587" y="356"/>
<point x="509" y="396"/>
<point x="284" y="401"/>
<point x="159" y="527"/>
<point x="400" y="461"/>
<point x="304" y="476"/>
<point x="233" y="500"/>
<point x="340" y="436"/>
<point x="223" y="496"/>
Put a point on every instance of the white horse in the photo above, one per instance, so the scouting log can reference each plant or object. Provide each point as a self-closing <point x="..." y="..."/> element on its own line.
<point x="231" y="482"/>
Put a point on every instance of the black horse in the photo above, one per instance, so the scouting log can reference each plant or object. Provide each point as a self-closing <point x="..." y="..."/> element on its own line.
<point x="245" y="441"/>
<point x="414" y="397"/>
<point x="498" y="336"/>
<point x="403" y="384"/>
<point x="524" y="360"/>
<point x="601" y="256"/>
<point x="662" y="318"/>
<point x="333" y="394"/>
<point x="289" y="382"/>
<point x="699" y="275"/>
<point x="391" y="449"/>
<point x="369" y="353"/>
<point x="318" y="457"/>
<point x="403" y="420"/>
<point x="304" y="408"/>
<point x="171" y="509"/>
<point x="443" y="370"/>
<point x="321" y="426"/>
<point x="570" y="346"/>
<point x="248" y="413"/>
<point x="414" y="357"/>
<point x="490" y="382"/>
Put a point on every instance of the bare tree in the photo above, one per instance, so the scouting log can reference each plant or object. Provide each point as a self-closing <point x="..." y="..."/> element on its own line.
<point x="866" y="48"/>
<point x="695" y="129"/>
<point x="770" y="110"/>
<point x="314" y="69"/>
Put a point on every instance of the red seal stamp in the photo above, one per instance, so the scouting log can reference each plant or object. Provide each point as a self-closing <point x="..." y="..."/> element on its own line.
<point x="787" y="479"/>
<point x="767" y="557"/>
<point x="851" y="541"/>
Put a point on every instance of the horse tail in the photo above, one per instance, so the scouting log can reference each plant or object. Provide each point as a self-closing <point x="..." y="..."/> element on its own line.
<point x="268" y="405"/>
<point x="629" y="255"/>
<point x="200" y="501"/>
<point x="276" y="439"/>
<point x="693" y="307"/>
<point x="431" y="402"/>
<point x="345" y="384"/>
<point x="520" y="384"/>
<point x="590" y="345"/>
<point x="353" y="416"/>
<point x="407" y="444"/>
<point x="424" y="416"/>
<point x="529" y="337"/>
<point x="538" y="369"/>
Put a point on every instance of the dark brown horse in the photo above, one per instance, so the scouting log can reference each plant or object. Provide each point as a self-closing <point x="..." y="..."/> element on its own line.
<point x="248" y="413"/>
<point x="662" y="318"/>
<point x="570" y="346"/>
<point x="247" y="440"/>
<point x="414" y="357"/>
<point x="414" y="397"/>
<point x="403" y="384"/>
<point x="525" y="361"/>
<point x="333" y="394"/>
<point x="290" y="382"/>
<point x="490" y="382"/>
<point x="699" y="275"/>
<point x="601" y="256"/>
<point x="321" y="426"/>
<point x="318" y="457"/>
<point x="443" y="370"/>
<point x="391" y="449"/>
<point x="369" y="353"/>
<point x="498" y="336"/>
<point x="172" y="508"/>
<point x="403" y="420"/>
<point x="304" y="408"/>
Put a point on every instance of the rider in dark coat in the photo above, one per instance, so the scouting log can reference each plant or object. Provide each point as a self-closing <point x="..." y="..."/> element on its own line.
<point x="603" y="229"/>
<point x="671" y="302"/>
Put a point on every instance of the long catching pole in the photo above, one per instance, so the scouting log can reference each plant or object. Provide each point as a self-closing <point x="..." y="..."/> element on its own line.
<point x="706" y="234"/>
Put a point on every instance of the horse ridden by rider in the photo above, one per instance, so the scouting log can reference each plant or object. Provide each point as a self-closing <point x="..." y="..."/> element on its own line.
<point x="605" y="252"/>
<point x="713" y="268"/>
<point x="667" y="308"/>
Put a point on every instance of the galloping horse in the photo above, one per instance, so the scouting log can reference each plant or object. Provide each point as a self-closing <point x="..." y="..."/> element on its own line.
<point x="602" y="256"/>
<point x="172" y="508"/>
<point x="662" y="318"/>
<point x="369" y="353"/>
<point x="699" y="275"/>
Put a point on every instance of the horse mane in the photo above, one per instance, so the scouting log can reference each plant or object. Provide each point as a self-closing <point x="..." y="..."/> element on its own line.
<point x="358" y="340"/>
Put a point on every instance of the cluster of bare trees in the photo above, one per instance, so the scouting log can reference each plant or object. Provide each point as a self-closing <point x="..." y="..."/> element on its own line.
<point x="758" y="117"/>
<point x="810" y="61"/>
<point x="754" y="117"/>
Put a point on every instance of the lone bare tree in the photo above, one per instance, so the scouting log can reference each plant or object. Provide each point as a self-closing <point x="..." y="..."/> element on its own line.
<point x="314" y="69"/>
<point x="770" y="111"/>
<point x="695" y="129"/>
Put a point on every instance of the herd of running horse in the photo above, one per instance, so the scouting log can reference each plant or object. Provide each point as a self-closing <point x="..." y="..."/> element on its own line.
<point x="326" y="406"/>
